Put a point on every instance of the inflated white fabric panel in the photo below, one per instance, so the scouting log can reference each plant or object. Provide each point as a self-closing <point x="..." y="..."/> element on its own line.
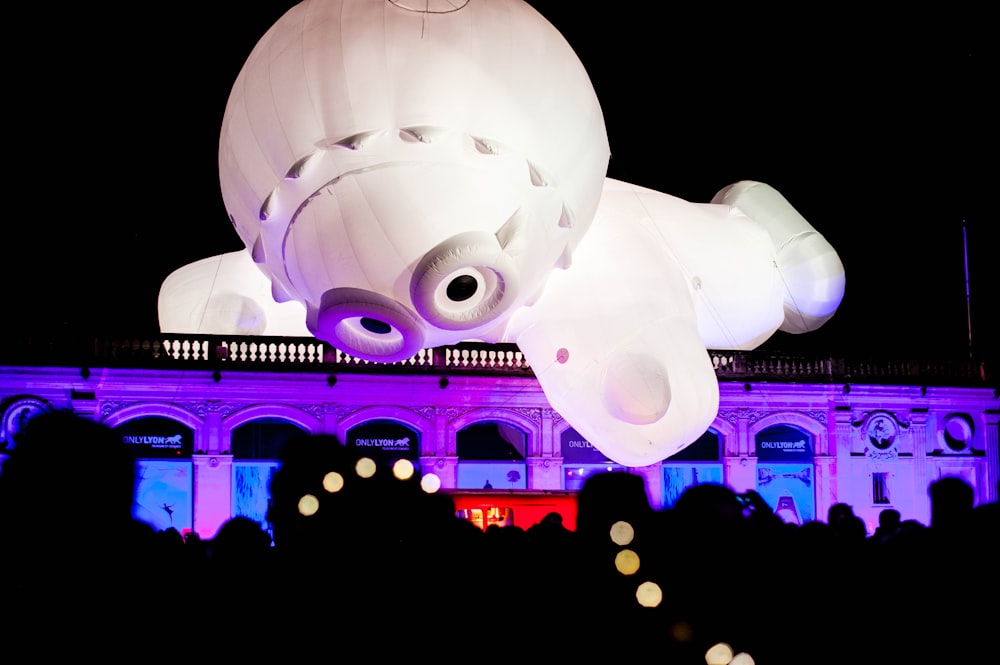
<point x="408" y="178"/>
<point x="226" y="294"/>
<point x="361" y="136"/>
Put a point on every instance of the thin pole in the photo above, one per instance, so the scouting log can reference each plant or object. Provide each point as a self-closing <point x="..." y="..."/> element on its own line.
<point x="968" y="297"/>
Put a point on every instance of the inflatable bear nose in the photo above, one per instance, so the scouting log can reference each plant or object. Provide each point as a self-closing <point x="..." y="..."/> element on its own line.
<point x="366" y="325"/>
<point x="465" y="282"/>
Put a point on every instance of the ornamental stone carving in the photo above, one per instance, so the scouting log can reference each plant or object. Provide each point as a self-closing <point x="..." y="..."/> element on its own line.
<point x="818" y="416"/>
<point x="532" y="414"/>
<point x="340" y="410"/>
<point x="110" y="407"/>
<point x="315" y="410"/>
<point x="749" y="415"/>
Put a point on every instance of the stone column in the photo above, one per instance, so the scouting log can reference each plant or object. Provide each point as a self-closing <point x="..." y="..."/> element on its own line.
<point x="992" y="479"/>
<point x="740" y="473"/>
<point x="210" y="434"/>
<point x="213" y="492"/>
<point x="840" y="447"/>
<point x="438" y="447"/>
<point x="445" y="442"/>
<point x="918" y="436"/>
<point x="653" y="477"/>
<point x="445" y="468"/>
<point x="544" y="473"/>
<point x="331" y="420"/>
<point x="744" y="442"/>
<point x="826" y="480"/>
<point x="739" y="461"/>
<point x="549" y="444"/>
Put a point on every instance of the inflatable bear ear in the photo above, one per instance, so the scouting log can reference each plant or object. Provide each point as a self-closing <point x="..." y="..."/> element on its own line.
<point x="226" y="294"/>
<point x="614" y="343"/>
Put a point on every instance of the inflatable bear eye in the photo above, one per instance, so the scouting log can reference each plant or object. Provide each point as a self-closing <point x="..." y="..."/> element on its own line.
<point x="465" y="282"/>
<point x="462" y="288"/>
<point x="366" y="325"/>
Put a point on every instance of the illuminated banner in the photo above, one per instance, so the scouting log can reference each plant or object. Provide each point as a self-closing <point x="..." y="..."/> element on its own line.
<point x="157" y="437"/>
<point x="783" y="443"/>
<point x="385" y="440"/>
<point x="577" y="450"/>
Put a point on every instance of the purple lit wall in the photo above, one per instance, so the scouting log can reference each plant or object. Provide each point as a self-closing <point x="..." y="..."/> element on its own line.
<point x="804" y="447"/>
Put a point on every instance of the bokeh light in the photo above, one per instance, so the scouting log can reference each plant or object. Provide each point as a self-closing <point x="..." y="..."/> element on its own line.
<point x="308" y="505"/>
<point x="649" y="594"/>
<point x="622" y="533"/>
<point x="741" y="659"/>
<point x="719" y="654"/>
<point x="402" y="469"/>
<point x="365" y="467"/>
<point x="430" y="483"/>
<point x="682" y="631"/>
<point x="333" y="482"/>
<point x="627" y="562"/>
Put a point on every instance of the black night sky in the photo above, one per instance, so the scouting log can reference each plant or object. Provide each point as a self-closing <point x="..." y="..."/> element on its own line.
<point x="878" y="128"/>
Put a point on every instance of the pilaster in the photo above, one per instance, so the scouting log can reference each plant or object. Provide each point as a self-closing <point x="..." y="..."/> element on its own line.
<point x="918" y="437"/>
<point x="991" y="486"/>
<point x="653" y="477"/>
<point x="445" y="468"/>
<point x="740" y="473"/>
<point x="544" y="473"/>
<point x="213" y="482"/>
<point x="839" y="471"/>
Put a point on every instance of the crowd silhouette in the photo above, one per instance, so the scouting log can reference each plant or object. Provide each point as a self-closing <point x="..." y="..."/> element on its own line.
<point x="374" y="563"/>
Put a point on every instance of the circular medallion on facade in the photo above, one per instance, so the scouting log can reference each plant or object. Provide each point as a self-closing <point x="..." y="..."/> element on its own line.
<point x="882" y="431"/>
<point x="15" y="417"/>
<point x="956" y="433"/>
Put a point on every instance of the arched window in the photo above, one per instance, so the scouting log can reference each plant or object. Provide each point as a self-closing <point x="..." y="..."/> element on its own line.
<point x="785" y="474"/>
<point x="582" y="460"/>
<point x="491" y="455"/>
<point x="256" y="447"/>
<point x="263" y="438"/>
<point x="163" y="494"/>
<point x="700" y="462"/>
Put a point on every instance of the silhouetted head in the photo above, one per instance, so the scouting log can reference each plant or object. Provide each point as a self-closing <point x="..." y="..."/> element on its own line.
<point x="952" y="501"/>
<point x="553" y="520"/>
<point x="838" y="512"/>
<point x="70" y="471"/>
<point x="240" y="540"/>
<point x="708" y="504"/>
<point x="610" y="497"/>
<point x="889" y="519"/>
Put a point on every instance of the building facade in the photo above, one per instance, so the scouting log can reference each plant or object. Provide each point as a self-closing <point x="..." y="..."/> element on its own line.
<point x="207" y="417"/>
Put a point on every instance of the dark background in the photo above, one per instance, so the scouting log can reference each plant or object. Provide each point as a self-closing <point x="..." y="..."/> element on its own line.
<point x="878" y="128"/>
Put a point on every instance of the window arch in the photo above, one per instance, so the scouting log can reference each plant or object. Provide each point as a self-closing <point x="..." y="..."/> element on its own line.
<point x="263" y="438"/>
<point x="698" y="463"/>
<point x="398" y="414"/>
<point x="162" y="446"/>
<point x="581" y="459"/>
<point x="786" y="476"/>
<point x="256" y="447"/>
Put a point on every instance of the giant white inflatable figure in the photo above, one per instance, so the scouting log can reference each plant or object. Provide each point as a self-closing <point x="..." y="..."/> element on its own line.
<point x="408" y="174"/>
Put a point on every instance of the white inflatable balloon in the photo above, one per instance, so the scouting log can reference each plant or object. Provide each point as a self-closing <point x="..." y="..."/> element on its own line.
<point x="410" y="175"/>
